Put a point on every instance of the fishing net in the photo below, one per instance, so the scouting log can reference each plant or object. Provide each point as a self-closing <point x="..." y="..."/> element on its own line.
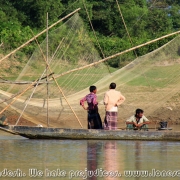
<point x="150" y="82"/>
<point x="69" y="47"/>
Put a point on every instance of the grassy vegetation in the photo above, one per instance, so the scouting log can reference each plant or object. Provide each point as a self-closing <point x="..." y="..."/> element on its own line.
<point x="157" y="76"/>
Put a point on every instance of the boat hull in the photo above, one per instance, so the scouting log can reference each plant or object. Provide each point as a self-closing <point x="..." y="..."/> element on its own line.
<point x="88" y="134"/>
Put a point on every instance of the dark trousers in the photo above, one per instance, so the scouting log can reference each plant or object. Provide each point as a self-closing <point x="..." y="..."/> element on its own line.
<point x="94" y="120"/>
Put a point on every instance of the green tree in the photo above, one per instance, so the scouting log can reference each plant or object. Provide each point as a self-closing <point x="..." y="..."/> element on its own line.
<point x="158" y="23"/>
<point x="174" y="14"/>
<point x="145" y="20"/>
<point x="34" y="12"/>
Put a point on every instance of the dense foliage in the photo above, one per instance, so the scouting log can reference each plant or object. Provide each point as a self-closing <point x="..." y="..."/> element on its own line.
<point x="145" y="20"/>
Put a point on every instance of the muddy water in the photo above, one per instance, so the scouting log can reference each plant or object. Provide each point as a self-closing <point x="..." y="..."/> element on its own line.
<point x="64" y="159"/>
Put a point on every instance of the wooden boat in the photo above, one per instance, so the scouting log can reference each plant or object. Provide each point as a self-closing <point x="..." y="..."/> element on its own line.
<point x="65" y="133"/>
<point x="88" y="134"/>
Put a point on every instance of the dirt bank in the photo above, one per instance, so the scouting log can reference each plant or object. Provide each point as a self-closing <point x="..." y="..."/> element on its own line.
<point x="12" y="118"/>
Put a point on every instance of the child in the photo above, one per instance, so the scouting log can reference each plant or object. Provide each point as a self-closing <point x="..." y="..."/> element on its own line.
<point x="94" y="119"/>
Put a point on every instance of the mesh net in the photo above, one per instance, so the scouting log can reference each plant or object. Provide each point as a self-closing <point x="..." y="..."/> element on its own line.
<point x="150" y="82"/>
<point x="69" y="47"/>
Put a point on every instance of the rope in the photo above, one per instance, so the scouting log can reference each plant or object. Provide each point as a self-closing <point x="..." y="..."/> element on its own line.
<point x="95" y="34"/>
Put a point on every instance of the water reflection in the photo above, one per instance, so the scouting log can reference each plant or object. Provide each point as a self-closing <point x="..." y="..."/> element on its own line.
<point x="112" y="157"/>
<point x="93" y="157"/>
<point x="85" y="155"/>
<point x="138" y="154"/>
<point x="107" y="152"/>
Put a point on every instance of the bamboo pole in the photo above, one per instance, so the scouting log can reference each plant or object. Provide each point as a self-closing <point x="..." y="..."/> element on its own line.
<point x="47" y="60"/>
<point x="20" y="94"/>
<point x="31" y="97"/>
<point x="117" y="54"/>
<point x="130" y="39"/>
<point x="16" y="98"/>
<point x="37" y="85"/>
<point x="19" y="82"/>
<point x="125" y="26"/>
<point x="57" y="83"/>
<point x="45" y="77"/>
<point x="9" y="131"/>
<point x="39" y="34"/>
<point x="95" y="35"/>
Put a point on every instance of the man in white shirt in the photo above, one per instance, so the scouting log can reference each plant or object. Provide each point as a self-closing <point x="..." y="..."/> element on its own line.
<point x="138" y="121"/>
<point x="112" y="99"/>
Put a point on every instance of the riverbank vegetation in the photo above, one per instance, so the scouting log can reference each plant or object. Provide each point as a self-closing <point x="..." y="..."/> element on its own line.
<point x="145" y="20"/>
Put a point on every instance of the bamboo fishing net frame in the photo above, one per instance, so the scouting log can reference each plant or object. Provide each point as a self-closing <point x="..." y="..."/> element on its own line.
<point x="92" y="64"/>
<point x="110" y="57"/>
<point x="19" y="95"/>
<point x="49" y="68"/>
<point x="118" y="54"/>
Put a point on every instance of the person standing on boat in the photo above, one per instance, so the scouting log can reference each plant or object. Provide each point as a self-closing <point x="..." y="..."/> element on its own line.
<point x="138" y="121"/>
<point x="112" y="99"/>
<point x="94" y="119"/>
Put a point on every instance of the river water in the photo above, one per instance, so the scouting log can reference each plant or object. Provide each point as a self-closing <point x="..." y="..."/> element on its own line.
<point x="77" y="159"/>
